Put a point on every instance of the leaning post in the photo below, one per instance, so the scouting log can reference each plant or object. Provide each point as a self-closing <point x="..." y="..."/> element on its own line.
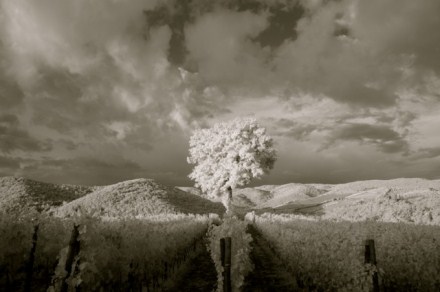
<point x="370" y="258"/>
<point x="225" y="254"/>
<point x="30" y="264"/>
<point x="73" y="251"/>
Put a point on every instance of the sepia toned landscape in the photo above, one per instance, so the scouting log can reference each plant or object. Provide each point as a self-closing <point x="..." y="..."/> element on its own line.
<point x="219" y="145"/>
<point x="142" y="235"/>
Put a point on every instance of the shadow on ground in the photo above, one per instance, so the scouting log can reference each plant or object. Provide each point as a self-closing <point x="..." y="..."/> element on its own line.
<point x="269" y="273"/>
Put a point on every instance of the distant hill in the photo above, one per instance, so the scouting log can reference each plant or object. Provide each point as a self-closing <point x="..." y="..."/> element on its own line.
<point x="192" y="190"/>
<point x="273" y="196"/>
<point x="139" y="197"/>
<point x="20" y="196"/>
<point x="290" y="193"/>
<point x="399" y="200"/>
<point x="251" y="197"/>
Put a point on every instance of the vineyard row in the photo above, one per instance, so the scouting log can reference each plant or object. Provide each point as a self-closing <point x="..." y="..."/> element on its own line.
<point x="93" y="254"/>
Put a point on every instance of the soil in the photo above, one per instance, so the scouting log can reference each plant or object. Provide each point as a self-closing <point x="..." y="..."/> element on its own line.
<point x="200" y="275"/>
<point x="269" y="273"/>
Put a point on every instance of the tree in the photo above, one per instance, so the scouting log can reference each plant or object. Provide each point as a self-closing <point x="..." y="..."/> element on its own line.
<point x="230" y="155"/>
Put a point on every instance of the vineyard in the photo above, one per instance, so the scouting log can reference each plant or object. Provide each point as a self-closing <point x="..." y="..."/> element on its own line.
<point x="162" y="253"/>
<point x="55" y="254"/>
<point x="325" y="255"/>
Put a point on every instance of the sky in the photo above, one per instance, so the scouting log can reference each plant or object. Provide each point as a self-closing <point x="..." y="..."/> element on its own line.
<point x="97" y="92"/>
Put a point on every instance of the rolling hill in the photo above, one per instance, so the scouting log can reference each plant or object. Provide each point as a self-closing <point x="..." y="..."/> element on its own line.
<point x="19" y="196"/>
<point x="139" y="198"/>
<point x="399" y="200"/>
<point x="411" y="200"/>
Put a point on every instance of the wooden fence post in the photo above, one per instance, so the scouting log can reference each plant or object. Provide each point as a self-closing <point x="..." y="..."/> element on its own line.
<point x="30" y="265"/>
<point x="225" y="253"/>
<point x="73" y="251"/>
<point x="370" y="258"/>
<point x="222" y="251"/>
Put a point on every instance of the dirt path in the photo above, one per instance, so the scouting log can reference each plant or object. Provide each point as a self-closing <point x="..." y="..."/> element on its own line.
<point x="269" y="273"/>
<point x="200" y="274"/>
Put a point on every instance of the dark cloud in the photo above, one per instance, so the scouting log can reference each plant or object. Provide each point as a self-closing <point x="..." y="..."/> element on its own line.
<point x="13" y="138"/>
<point x="292" y="129"/>
<point x="398" y="146"/>
<point x="385" y="138"/>
<point x="82" y="170"/>
<point x="319" y="62"/>
<point x="410" y="30"/>
<point x="11" y="94"/>
<point x="94" y="171"/>
<point x="341" y="28"/>
<point x="358" y="94"/>
<point x="282" y="25"/>
<point x="175" y="17"/>
<point x="301" y="163"/>
<point x="427" y="153"/>
<point x="282" y="22"/>
<point x="9" y="163"/>
<point x="55" y="102"/>
<point x="68" y="144"/>
<point x="9" y="120"/>
<point x="366" y="131"/>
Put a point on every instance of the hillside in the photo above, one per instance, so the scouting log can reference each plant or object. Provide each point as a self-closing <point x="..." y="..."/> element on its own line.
<point x="20" y="196"/>
<point x="398" y="200"/>
<point x="273" y="196"/>
<point x="138" y="198"/>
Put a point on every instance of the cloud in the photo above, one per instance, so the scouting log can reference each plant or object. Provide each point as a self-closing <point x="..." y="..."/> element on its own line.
<point x="81" y="170"/>
<point x="93" y="66"/>
<point x="11" y="94"/>
<point x="320" y="61"/>
<point x="427" y="153"/>
<point x="8" y="163"/>
<point x="327" y="51"/>
<point x="282" y="23"/>
<point x="12" y="137"/>
<point x="72" y="30"/>
<point x="344" y="162"/>
<point x="220" y="45"/>
<point x="386" y="139"/>
<point x="290" y="128"/>
<point x="91" y="82"/>
<point x="411" y="29"/>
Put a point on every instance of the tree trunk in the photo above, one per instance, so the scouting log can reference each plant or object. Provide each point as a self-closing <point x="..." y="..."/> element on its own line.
<point x="227" y="202"/>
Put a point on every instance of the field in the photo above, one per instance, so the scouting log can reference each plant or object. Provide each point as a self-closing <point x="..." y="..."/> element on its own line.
<point x="140" y="234"/>
<point x="330" y="255"/>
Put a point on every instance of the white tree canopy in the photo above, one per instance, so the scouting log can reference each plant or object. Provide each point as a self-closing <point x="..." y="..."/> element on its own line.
<point x="230" y="155"/>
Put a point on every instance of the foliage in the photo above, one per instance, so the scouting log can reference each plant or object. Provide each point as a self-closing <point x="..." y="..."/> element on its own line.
<point x="330" y="255"/>
<point x="422" y="208"/>
<point x="113" y="253"/>
<point x="20" y="196"/>
<point x="16" y="242"/>
<point x="122" y="254"/>
<point x="241" y="264"/>
<point x="139" y="198"/>
<point x="229" y="155"/>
